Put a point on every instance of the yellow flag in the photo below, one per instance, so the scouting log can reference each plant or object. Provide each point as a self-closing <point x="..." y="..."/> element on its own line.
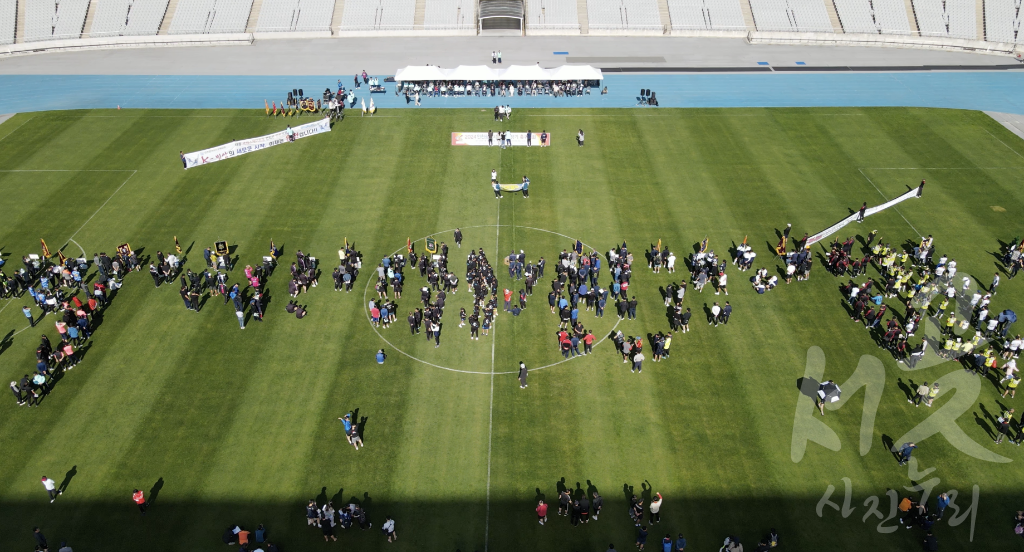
<point x="267" y="105"/>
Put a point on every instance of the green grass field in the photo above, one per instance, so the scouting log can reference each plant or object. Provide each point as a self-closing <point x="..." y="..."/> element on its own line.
<point x="241" y="426"/>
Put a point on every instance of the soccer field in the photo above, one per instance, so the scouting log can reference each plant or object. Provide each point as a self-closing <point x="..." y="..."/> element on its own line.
<point x="221" y="426"/>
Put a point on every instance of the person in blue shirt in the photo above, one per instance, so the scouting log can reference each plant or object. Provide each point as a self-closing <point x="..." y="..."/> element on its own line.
<point x="942" y="503"/>
<point x="346" y="421"/>
<point x="380" y="360"/>
<point x="666" y="543"/>
<point x="680" y="543"/>
<point x="526" y="184"/>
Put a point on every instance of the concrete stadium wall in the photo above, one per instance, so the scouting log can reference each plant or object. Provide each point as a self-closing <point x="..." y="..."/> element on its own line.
<point x="752" y="37"/>
<point x="884" y="41"/>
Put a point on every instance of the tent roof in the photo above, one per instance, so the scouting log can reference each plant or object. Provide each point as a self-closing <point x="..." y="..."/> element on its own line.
<point x="526" y="72"/>
<point x="420" y="73"/>
<point x="484" y="72"/>
<point x="472" y="72"/>
<point x="576" y="72"/>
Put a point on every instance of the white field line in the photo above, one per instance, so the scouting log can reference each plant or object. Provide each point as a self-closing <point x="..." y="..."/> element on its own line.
<point x="104" y="205"/>
<point x="887" y="199"/>
<point x="1005" y="144"/>
<point x="16" y="128"/>
<point x="490" y="415"/>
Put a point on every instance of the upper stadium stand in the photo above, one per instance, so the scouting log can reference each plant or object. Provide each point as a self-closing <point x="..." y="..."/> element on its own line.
<point x="378" y="15"/>
<point x="128" y="17"/>
<point x="931" y="24"/>
<point x="52" y="20"/>
<point x="450" y="14"/>
<point x="636" y="15"/>
<point x="210" y="16"/>
<point x="710" y="15"/>
<point x="295" y="15"/>
<point x="947" y="18"/>
<point x="791" y="15"/>
<point x="873" y="16"/>
<point x="1003" y="21"/>
<point x="8" y="20"/>
<point x="553" y="14"/>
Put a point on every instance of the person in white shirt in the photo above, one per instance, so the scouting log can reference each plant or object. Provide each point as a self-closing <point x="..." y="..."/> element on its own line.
<point x="51" y="488"/>
<point x="722" y="281"/>
<point x="671" y="262"/>
<point x="389" y="529"/>
<point x="715" y="311"/>
<point x="1011" y="368"/>
<point x="1013" y="348"/>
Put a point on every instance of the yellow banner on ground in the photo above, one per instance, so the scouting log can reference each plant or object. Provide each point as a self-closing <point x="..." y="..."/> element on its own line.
<point x="511" y="187"/>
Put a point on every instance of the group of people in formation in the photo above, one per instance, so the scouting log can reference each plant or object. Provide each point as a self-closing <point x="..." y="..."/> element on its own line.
<point x="56" y="289"/>
<point x="971" y="331"/>
<point x="329" y="519"/>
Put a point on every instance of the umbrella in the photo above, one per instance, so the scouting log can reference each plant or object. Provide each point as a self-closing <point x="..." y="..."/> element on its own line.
<point x="829" y="392"/>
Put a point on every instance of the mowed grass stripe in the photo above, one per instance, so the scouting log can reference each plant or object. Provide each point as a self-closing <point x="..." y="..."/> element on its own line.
<point x="244" y="430"/>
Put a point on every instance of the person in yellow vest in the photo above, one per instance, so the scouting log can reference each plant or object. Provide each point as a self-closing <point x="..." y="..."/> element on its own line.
<point x="1011" y="387"/>
<point x="932" y="393"/>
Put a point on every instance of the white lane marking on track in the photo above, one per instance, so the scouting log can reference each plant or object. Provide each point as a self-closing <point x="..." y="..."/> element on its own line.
<point x="366" y="310"/>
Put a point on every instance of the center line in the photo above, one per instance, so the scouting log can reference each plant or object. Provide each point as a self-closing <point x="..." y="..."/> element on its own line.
<point x="490" y="419"/>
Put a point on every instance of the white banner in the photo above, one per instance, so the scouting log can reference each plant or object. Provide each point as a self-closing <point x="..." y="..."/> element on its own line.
<point x="916" y="192"/>
<point x="241" y="147"/>
<point x="480" y="139"/>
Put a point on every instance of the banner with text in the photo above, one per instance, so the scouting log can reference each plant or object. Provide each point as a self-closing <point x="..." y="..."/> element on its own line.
<point x="480" y="139"/>
<point x="916" y="192"/>
<point x="241" y="147"/>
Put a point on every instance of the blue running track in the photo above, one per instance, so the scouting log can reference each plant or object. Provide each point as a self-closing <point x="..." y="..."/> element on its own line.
<point x="981" y="90"/>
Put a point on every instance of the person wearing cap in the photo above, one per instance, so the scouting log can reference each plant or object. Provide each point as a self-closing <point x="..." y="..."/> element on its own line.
<point x="932" y="393"/>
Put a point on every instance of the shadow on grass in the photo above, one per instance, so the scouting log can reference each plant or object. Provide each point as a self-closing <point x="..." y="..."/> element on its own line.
<point x="172" y="523"/>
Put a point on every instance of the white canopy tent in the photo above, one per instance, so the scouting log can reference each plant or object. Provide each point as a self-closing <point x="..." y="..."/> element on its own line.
<point x="576" y="72"/>
<point x="484" y="73"/>
<point x="420" y="73"/>
<point x="526" y="72"/>
<point x="472" y="72"/>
